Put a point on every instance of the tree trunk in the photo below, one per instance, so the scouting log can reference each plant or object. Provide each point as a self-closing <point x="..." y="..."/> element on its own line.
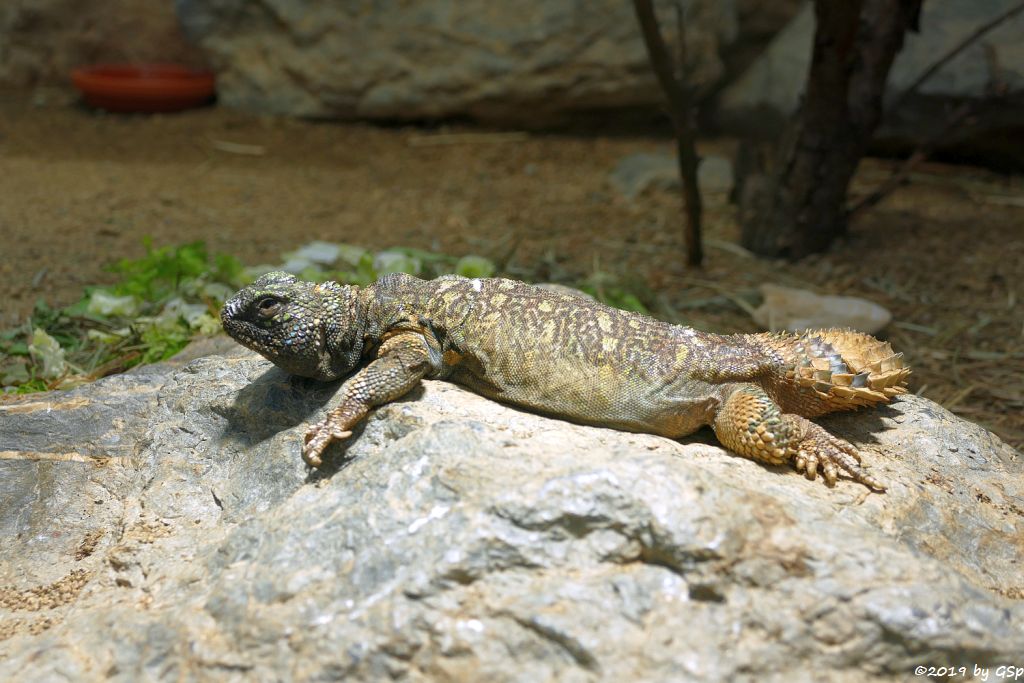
<point x="800" y="206"/>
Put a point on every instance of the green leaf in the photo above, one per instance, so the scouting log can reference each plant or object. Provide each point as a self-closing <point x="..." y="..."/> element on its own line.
<point x="474" y="266"/>
<point x="397" y="261"/>
<point x="47" y="351"/>
<point x="228" y="269"/>
<point x="163" y="342"/>
<point x="13" y="372"/>
<point x="17" y="349"/>
<point x="103" y="303"/>
<point x="350" y="254"/>
<point x="32" y="386"/>
<point x="616" y="297"/>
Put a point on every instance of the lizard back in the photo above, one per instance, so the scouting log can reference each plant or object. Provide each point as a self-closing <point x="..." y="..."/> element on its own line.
<point x="570" y="356"/>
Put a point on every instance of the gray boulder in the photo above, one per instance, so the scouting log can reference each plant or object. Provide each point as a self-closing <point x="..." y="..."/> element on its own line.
<point x="765" y="97"/>
<point x="528" y="63"/>
<point x="159" y="525"/>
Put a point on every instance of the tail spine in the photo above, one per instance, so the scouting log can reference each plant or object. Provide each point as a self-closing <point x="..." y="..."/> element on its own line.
<point x="845" y="368"/>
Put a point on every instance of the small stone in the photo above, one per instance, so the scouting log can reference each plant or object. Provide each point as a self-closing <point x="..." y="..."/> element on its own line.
<point x="796" y="310"/>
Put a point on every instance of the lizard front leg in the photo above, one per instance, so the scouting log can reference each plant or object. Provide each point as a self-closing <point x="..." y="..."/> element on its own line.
<point x="401" y="362"/>
<point x="751" y="424"/>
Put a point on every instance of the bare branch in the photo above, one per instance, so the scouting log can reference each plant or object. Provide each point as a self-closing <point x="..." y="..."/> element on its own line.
<point x="901" y="174"/>
<point x="661" y="61"/>
<point x="680" y="111"/>
<point x="957" y="49"/>
<point x="995" y="88"/>
<point x="681" y="47"/>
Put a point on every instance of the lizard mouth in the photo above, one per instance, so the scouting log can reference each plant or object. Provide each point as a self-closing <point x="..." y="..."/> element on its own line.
<point x="242" y="331"/>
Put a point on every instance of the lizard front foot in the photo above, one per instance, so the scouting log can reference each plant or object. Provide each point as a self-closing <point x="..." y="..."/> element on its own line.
<point x="319" y="437"/>
<point x="814" y="448"/>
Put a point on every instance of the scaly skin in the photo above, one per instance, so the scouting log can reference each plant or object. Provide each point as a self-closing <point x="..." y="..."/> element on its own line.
<point x="567" y="357"/>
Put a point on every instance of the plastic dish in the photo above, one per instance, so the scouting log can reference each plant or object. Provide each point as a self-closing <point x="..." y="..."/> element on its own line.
<point x="143" y="87"/>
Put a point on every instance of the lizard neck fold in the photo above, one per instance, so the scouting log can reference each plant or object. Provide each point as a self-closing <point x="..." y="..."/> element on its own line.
<point x="399" y="303"/>
<point x="341" y="326"/>
<point x="395" y="301"/>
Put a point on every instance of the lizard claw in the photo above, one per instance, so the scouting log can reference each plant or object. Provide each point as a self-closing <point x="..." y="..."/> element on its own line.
<point x="819" y="450"/>
<point x="318" y="437"/>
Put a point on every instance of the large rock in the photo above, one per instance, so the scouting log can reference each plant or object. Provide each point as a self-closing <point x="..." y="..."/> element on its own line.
<point x="159" y="525"/>
<point x="41" y="41"/>
<point x="765" y="98"/>
<point x="530" y="62"/>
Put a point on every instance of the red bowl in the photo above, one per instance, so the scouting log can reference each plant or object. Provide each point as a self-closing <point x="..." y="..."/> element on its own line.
<point x="143" y="87"/>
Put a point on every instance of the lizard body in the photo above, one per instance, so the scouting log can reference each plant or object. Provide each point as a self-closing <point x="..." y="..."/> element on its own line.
<point x="569" y="357"/>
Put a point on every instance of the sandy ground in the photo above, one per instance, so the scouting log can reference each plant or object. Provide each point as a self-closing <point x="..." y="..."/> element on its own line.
<point x="79" y="190"/>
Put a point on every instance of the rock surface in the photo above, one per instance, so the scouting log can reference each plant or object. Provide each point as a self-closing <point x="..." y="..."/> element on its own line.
<point x="765" y="97"/>
<point x="529" y="63"/>
<point x="159" y="525"/>
<point x="42" y="40"/>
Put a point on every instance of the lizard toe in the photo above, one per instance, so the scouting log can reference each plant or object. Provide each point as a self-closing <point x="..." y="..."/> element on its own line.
<point x="816" y="450"/>
<point x="315" y="441"/>
<point x="311" y="456"/>
<point x="806" y="463"/>
<point x="319" y="437"/>
<point x="830" y="472"/>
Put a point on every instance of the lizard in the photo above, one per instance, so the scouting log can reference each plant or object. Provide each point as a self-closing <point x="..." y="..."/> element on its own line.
<point x="570" y="357"/>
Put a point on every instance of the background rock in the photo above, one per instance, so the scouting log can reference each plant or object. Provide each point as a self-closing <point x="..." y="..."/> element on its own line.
<point x="763" y="99"/>
<point x="159" y="525"/>
<point x="796" y="310"/>
<point x="42" y="40"/>
<point x="637" y="173"/>
<point x="529" y="63"/>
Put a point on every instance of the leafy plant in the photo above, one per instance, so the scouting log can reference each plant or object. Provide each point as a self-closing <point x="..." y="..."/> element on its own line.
<point x="173" y="294"/>
<point x="616" y="297"/>
<point x="320" y="261"/>
<point x="160" y="303"/>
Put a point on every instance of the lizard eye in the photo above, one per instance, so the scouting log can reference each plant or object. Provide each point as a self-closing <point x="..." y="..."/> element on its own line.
<point x="268" y="306"/>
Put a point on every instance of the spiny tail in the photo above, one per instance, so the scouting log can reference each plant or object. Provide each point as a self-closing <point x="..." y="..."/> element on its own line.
<point x="842" y="369"/>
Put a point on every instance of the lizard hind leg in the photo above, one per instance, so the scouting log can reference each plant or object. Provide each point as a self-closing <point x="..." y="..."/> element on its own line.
<point x="750" y="423"/>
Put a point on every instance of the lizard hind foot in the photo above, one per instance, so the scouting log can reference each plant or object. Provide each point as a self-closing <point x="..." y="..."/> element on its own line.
<point x="846" y="369"/>
<point x="816" y="449"/>
<point x="751" y="424"/>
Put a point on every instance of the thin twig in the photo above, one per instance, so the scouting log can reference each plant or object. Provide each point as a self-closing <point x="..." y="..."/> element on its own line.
<point x="238" y="148"/>
<point x="920" y="154"/>
<point x="957" y="49"/>
<point x="439" y="139"/>
<point x="680" y="111"/>
<point x="952" y="401"/>
<point x="996" y="88"/>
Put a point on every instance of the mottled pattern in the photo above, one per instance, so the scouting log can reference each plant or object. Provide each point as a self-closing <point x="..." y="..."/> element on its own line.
<point x="569" y="357"/>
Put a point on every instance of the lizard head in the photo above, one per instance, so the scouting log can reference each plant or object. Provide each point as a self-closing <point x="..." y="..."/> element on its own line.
<point x="305" y="328"/>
